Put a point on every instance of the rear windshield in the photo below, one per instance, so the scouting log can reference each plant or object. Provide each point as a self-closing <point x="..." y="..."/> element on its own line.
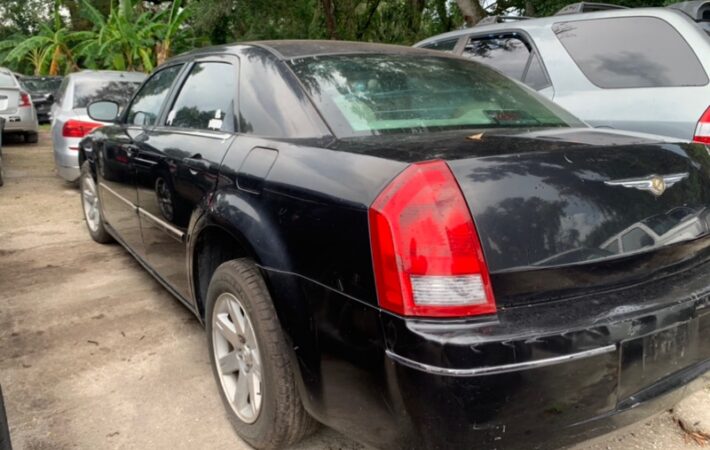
<point x="6" y="80"/>
<point x="41" y="84"/>
<point x="631" y="52"/>
<point x="89" y="91"/>
<point x="375" y="94"/>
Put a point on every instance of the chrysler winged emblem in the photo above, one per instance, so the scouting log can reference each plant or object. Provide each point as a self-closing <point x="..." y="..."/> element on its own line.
<point x="655" y="184"/>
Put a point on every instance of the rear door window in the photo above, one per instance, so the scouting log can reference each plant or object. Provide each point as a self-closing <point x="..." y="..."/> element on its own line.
<point x="510" y="55"/>
<point x="206" y="99"/>
<point x="87" y="91"/>
<point x="631" y="52"/>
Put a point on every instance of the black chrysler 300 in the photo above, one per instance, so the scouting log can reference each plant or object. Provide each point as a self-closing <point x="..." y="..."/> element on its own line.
<point x="407" y="246"/>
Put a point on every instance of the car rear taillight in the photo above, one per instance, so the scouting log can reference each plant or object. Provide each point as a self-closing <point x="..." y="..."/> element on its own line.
<point x="79" y="128"/>
<point x="427" y="256"/>
<point x="702" y="130"/>
<point x="25" y="99"/>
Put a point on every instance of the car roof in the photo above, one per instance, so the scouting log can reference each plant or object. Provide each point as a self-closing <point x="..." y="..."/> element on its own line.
<point x="295" y="49"/>
<point x="659" y="12"/>
<point x="107" y="75"/>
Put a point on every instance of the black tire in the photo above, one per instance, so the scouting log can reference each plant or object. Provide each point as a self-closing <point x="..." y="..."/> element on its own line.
<point x="2" y="171"/>
<point x="31" y="137"/>
<point x="282" y="420"/>
<point x="100" y="234"/>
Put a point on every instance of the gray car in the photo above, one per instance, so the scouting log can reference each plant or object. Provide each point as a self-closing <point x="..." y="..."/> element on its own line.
<point x="16" y="107"/>
<point x="641" y="69"/>
<point x="70" y="123"/>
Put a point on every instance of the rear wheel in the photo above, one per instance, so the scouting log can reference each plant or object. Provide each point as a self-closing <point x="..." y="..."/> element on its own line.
<point x="91" y="205"/>
<point x="31" y="137"/>
<point x="250" y="359"/>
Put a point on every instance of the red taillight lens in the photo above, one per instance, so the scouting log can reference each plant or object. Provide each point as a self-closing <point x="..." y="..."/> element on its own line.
<point x="25" y="99"/>
<point x="427" y="256"/>
<point x="79" y="128"/>
<point x="702" y="130"/>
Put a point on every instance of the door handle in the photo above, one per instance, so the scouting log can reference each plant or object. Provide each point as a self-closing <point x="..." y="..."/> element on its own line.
<point x="197" y="164"/>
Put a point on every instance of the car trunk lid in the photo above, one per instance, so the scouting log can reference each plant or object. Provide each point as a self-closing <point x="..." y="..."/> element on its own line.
<point x="555" y="220"/>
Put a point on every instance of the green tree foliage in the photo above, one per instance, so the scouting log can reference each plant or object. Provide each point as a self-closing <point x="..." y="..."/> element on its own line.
<point x="55" y="36"/>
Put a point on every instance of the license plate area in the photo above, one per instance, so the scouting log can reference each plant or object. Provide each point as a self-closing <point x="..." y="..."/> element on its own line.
<point x="649" y="359"/>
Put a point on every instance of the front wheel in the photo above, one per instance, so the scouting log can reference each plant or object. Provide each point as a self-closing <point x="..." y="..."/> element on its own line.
<point x="250" y="359"/>
<point x="91" y="205"/>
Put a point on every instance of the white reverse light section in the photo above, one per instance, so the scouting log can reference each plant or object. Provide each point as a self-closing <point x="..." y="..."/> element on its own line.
<point x="455" y="290"/>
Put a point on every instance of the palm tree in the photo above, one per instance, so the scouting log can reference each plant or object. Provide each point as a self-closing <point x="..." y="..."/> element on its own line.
<point x="51" y="48"/>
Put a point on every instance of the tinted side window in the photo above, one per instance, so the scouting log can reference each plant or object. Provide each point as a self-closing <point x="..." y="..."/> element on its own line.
<point x="206" y="99"/>
<point x="148" y="101"/>
<point x="62" y="90"/>
<point x="631" y="52"/>
<point x="535" y="77"/>
<point x="446" y="46"/>
<point x="269" y="103"/>
<point x="508" y="54"/>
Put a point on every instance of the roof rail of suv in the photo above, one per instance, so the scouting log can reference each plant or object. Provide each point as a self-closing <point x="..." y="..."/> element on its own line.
<point x="698" y="10"/>
<point x="585" y="7"/>
<point x="499" y="19"/>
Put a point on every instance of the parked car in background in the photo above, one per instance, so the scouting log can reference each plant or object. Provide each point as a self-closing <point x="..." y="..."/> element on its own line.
<point x="16" y="108"/>
<point x="641" y="69"/>
<point x="369" y="234"/>
<point x="43" y="91"/>
<point x="70" y="122"/>
<point x="2" y="170"/>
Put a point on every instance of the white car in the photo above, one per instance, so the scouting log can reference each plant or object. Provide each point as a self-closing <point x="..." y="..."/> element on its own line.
<point x="70" y="123"/>
<point x="16" y="108"/>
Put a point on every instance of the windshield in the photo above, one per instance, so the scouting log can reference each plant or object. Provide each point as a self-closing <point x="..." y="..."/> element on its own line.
<point x="375" y="94"/>
<point x="41" y="84"/>
<point x="6" y="80"/>
<point x="89" y="91"/>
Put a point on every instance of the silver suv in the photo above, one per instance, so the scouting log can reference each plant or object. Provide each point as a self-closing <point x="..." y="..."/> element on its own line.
<point x="641" y="69"/>
<point x="16" y="108"/>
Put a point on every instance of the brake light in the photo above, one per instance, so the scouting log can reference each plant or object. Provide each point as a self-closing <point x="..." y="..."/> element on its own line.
<point x="79" y="128"/>
<point x="25" y="99"/>
<point x="427" y="256"/>
<point x="702" y="130"/>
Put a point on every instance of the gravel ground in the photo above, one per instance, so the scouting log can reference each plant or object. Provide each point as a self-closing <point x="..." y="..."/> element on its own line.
<point x="96" y="354"/>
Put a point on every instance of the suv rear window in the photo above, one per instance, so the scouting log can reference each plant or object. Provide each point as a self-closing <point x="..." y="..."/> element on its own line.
<point x="631" y="52"/>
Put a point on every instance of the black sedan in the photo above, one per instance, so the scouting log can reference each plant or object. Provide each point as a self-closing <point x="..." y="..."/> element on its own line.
<point x="43" y="91"/>
<point x="407" y="246"/>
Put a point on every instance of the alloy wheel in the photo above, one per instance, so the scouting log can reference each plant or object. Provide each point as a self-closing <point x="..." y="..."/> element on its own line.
<point x="91" y="203"/>
<point x="237" y="356"/>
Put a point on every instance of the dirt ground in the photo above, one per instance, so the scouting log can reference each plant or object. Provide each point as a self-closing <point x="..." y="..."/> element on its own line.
<point x="96" y="354"/>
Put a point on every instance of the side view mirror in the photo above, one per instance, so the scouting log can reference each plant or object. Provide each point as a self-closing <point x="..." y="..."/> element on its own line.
<point x="103" y="111"/>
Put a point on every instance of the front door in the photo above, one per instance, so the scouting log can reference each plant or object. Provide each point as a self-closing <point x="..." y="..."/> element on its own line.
<point x="119" y="159"/>
<point x="178" y="163"/>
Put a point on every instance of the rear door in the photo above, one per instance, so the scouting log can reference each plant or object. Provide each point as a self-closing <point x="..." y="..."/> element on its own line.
<point x="632" y="73"/>
<point x="178" y="162"/>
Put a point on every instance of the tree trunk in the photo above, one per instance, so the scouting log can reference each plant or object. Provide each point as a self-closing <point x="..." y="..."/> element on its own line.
<point x="330" y="19"/>
<point x="472" y="11"/>
<point x="530" y="8"/>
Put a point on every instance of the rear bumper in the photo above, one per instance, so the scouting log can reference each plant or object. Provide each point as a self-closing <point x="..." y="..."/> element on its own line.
<point x="21" y="121"/>
<point x="552" y="403"/>
<point x="66" y="157"/>
<point x="547" y="385"/>
<point x="70" y="174"/>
